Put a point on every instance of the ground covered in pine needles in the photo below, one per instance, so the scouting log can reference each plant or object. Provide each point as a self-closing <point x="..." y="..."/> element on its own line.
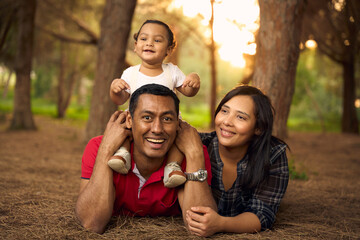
<point x="40" y="175"/>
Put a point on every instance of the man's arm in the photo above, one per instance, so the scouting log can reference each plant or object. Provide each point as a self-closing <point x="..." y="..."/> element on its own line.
<point x="95" y="202"/>
<point x="194" y="193"/>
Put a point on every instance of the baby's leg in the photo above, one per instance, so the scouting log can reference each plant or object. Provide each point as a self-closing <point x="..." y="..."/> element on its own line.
<point x="121" y="161"/>
<point x="173" y="175"/>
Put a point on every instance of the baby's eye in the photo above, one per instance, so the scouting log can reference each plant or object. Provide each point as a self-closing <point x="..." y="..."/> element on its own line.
<point x="158" y="40"/>
<point x="143" y="39"/>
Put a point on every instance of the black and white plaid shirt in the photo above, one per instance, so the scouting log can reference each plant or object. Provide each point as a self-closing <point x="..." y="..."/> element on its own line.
<point x="264" y="200"/>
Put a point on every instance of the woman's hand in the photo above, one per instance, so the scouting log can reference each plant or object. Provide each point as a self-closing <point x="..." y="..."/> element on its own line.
<point x="203" y="221"/>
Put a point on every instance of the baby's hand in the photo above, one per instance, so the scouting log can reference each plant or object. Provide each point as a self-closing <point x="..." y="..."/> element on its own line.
<point x="118" y="85"/>
<point x="192" y="80"/>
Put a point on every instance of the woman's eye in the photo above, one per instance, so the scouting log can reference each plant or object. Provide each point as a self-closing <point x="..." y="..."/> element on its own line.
<point x="240" y="117"/>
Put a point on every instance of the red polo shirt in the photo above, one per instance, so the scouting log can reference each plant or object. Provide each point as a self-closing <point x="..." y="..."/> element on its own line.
<point x="153" y="199"/>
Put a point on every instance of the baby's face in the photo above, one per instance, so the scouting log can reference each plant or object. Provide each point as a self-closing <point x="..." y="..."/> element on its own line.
<point x="152" y="45"/>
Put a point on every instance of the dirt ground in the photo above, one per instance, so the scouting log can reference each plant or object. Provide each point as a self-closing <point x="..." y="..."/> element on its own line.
<point x="40" y="175"/>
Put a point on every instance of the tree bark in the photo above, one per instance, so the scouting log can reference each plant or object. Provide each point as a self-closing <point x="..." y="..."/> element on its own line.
<point x="61" y="83"/>
<point x="349" y="121"/>
<point x="115" y="29"/>
<point x="22" y="115"/>
<point x="212" y="69"/>
<point x="277" y="56"/>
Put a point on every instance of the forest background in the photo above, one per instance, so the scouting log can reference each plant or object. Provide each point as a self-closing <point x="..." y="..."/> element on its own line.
<point x="65" y="61"/>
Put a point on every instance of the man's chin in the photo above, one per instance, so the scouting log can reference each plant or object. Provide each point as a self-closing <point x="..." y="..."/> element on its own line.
<point x="158" y="153"/>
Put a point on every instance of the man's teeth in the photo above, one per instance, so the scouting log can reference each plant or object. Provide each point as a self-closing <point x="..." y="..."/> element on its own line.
<point x="155" y="140"/>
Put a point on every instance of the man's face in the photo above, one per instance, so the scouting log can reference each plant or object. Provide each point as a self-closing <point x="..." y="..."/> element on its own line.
<point x="154" y="126"/>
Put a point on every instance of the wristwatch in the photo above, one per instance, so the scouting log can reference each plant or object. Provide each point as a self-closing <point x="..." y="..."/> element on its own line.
<point x="200" y="175"/>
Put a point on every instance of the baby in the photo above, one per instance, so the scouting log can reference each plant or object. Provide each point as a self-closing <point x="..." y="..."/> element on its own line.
<point x="153" y="42"/>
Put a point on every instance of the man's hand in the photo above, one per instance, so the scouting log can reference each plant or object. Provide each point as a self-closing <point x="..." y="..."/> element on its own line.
<point x="203" y="221"/>
<point x="188" y="140"/>
<point x="116" y="131"/>
<point x="118" y="85"/>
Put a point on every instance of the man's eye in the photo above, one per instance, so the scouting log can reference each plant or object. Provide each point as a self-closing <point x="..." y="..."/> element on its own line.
<point x="146" y="117"/>
<point x="167" y="119"/>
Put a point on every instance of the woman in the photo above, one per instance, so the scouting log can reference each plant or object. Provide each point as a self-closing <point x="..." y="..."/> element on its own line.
<point x="249" y="166"/>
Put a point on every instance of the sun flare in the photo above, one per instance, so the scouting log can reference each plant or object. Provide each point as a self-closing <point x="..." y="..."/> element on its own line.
<point x="235" y="22"/>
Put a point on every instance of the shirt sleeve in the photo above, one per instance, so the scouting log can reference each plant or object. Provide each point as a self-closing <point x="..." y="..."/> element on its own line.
<point x="177" y="75"/>
<point x="89" y="156"/>
<point x="267" y="196"/>
<point x="207" y="165"/>
<point x="126" y="76"/>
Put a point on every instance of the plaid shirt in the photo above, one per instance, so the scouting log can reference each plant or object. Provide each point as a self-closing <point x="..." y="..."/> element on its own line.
<point x="263" y="200"/>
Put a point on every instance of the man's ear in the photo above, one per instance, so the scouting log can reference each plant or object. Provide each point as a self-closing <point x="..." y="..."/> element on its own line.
<point x="128" y="120"/>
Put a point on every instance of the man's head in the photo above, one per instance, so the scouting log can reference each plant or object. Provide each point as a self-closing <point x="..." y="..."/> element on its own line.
<point x="154" y="120"/>
<point x="153" y="89"/>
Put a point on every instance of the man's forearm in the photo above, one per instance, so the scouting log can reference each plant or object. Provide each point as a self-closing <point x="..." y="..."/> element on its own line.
<point x="96" y="199"/>
<point x="196" y="193"/>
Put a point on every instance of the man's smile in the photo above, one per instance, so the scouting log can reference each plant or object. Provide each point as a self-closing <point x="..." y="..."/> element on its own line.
<point x="154" y="140"/>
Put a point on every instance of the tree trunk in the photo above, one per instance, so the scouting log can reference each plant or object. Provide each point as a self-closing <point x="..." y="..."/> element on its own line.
<point x="349" y="121"/>
<point x="277" y="55"/>
<point x="61" y="82"/>
<point x="22" y="115"/>
<point x="115" y="29"/>
<point x="213" y="69"/>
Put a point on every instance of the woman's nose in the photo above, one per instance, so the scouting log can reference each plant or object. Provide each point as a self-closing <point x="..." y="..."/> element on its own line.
<point x="228" y="120"/>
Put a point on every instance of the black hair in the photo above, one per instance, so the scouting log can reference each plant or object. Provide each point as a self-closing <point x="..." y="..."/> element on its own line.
<point x="257" y="170"/>
<point x="171" y="36"/>
<point x="154" y="89"/>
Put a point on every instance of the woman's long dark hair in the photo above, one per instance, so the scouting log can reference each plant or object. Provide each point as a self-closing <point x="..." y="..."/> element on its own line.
<point x="257" y="169"/>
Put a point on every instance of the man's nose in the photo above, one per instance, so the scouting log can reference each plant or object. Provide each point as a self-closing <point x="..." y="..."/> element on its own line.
<point x="157" y="126"/>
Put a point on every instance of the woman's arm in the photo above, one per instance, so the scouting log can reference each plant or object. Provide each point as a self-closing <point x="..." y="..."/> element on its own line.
<point x="95" y="202"/>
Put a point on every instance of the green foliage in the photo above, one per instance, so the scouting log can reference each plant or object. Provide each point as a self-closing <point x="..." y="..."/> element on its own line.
<point x="42" y="83"/>
<point x="317" y="99"/>
<point x="197" y="115"/>
<point x="294" y="174"/>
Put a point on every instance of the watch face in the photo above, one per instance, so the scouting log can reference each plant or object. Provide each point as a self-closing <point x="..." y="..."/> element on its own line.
<point x="202" y="175"/>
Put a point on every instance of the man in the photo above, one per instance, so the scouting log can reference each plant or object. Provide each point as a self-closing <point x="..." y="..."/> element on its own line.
<point x="153" y="121"/>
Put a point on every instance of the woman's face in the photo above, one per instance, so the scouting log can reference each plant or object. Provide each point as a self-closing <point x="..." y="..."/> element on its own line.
<point x="235" y="122"/>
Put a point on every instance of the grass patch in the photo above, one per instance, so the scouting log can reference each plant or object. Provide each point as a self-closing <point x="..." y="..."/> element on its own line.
<point x="306" y="125"/>
<point x="294" y="173"/>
